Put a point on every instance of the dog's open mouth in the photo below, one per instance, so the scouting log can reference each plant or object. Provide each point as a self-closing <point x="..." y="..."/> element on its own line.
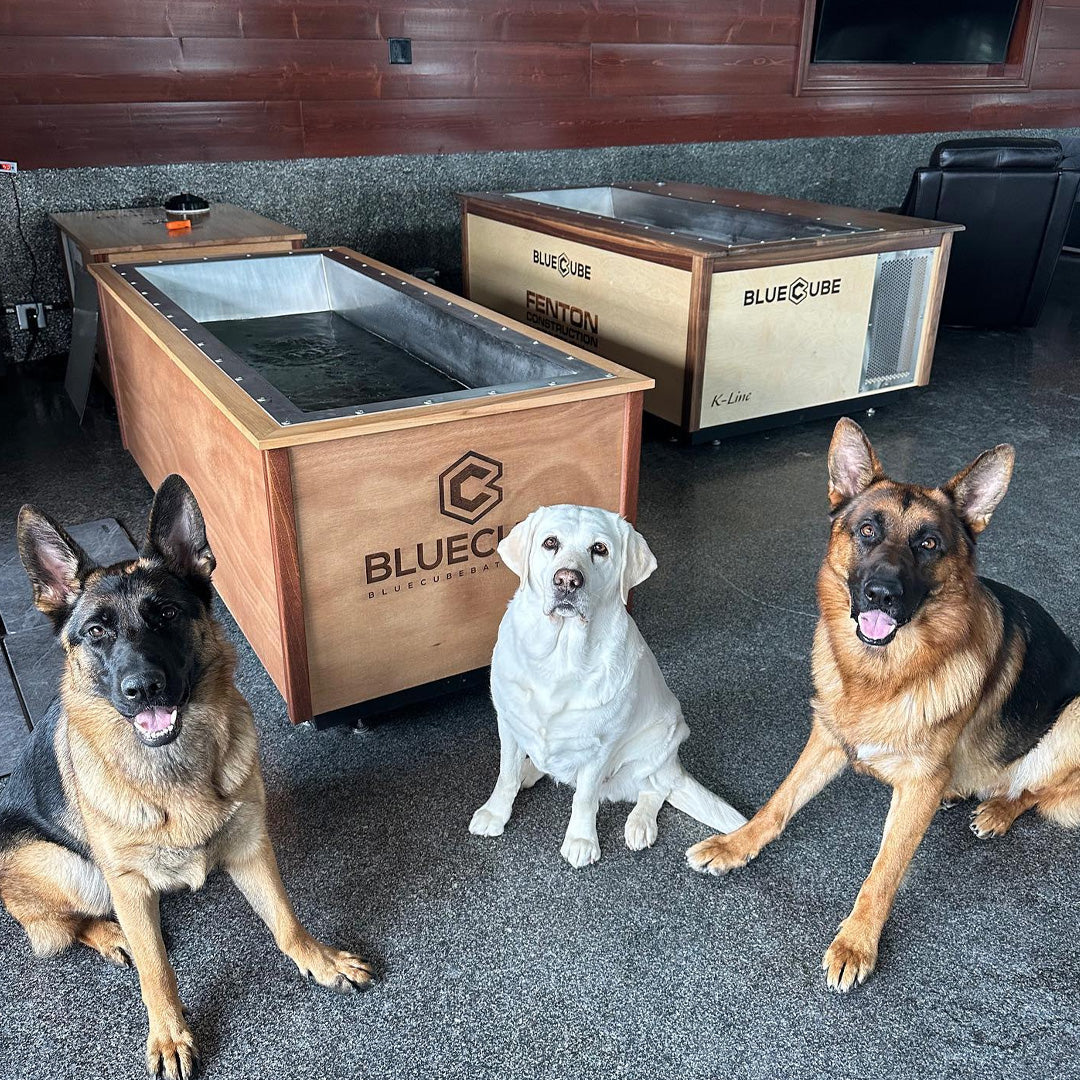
<point x="157" y="725"/>
<point x="875" y="627"/>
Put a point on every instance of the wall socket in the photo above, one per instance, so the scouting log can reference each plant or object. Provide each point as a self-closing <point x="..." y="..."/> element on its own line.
<point x="31" y="316"/>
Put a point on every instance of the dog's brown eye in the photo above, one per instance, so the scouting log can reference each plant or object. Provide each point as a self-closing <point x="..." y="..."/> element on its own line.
<point x="867" y="529"/>
<point x="599" y="549"/>
<point x="929" y="543"/>
<point x="168" y="613"/>
<point x="96" y="632"/>
<point x="551" y="544"/>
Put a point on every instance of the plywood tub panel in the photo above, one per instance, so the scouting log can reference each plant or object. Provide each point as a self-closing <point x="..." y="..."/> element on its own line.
<point x="629" y="310"/>
<point x="763" y="357"/>
<point x="170" y="426"/>
<point x="363" y="505"/>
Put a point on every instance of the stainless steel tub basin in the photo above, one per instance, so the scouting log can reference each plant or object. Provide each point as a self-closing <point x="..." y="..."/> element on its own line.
<point x="730" y="226"/>
<point x="320" y="335"/>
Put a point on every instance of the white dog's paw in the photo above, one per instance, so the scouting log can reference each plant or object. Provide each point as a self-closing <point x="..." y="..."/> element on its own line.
<point x="580" y="850"/>
<point x="486" y="823"/>
<point x="640" y="832"/>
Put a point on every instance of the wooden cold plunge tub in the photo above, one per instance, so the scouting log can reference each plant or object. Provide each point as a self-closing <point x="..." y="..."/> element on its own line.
<point x="748" y="310"/>
<point x="359" y="442"/>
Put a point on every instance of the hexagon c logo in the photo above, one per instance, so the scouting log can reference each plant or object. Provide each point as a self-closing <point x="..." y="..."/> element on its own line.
<point x="797" y="291"/>
<point x="467" y="489"/>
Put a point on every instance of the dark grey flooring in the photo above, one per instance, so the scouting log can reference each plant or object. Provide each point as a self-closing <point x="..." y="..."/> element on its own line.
<point x="502" y="961"/>
<point x="14" y="726"/>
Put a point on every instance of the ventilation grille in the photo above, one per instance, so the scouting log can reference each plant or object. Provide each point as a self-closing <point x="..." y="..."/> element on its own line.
<point x="897" y="311"/>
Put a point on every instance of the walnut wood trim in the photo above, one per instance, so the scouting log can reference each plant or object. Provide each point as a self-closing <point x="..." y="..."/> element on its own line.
<point x="872" y="245"/>
<point x="466" y="289"/>
<point x="1013" y="74"/>
<point x="697" y="333"/>
<point x="277" y="469"/>
<point x="631" y="456"/>
<point x="926" y="355"/>
<point x="103" y="315"/>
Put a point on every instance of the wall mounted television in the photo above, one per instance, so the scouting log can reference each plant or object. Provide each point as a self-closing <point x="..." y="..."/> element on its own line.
<point x="913" y="31"/>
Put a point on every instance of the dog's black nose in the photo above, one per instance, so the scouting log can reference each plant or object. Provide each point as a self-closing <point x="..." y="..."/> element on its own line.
<point x="882" y="590"/>
<point x="568" y="580"/>
<point x="143" y="684"/>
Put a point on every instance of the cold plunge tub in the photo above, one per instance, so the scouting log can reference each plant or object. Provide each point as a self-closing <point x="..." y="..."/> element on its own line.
<point x="748" y="310"/>
<point x="359" y="442"/>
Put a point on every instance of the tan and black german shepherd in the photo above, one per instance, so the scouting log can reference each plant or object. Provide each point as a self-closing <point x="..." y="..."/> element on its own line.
<point x="940" y="683"/>
<point x="145" y="776"/>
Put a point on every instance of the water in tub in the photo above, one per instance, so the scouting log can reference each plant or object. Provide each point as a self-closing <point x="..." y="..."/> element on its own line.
<point x="321" y="361"/>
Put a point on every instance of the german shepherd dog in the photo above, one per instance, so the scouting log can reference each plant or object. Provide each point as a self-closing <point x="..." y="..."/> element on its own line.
<point x="940" y="683"/>
<point x="145" y="776"/>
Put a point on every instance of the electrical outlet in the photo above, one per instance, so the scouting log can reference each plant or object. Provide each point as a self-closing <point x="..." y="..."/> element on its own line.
<point x="9" y="166"/>
<point x="400" y="50"/>
<point x="30" y="316"/>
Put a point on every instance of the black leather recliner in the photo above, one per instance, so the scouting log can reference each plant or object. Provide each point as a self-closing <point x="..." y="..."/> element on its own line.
<point x="1014" y="200"/>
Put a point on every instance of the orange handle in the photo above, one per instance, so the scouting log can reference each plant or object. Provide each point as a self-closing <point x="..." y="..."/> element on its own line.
<point x="178" y="226"/>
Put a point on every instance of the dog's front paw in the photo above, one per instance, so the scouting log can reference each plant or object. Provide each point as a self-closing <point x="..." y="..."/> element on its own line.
<point x="340" y="971"/>
<point x="640" y="832"/>
<point x="171" y="1052"/>
<point x="719" y="854"/>
<point x="994" y="817"/>
<point x="486" y="822"/>
<point x="580" y="850"/>
<point x="850" y="958"/>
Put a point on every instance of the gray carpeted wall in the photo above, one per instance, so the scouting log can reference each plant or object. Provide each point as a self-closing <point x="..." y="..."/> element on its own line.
<point x="402" y="208"/>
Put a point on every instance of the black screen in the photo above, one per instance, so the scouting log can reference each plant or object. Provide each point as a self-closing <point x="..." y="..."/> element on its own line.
<point x="913" y="31"/>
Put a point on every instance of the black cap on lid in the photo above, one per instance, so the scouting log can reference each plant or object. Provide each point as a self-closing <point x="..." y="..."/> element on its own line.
<point x="186" y="203"/>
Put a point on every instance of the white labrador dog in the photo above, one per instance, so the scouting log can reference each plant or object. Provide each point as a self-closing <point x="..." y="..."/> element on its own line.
<point x="578" y="693"/>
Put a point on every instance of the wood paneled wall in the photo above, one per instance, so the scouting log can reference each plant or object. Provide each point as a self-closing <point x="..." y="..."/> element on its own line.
<point x="109" y="82"/>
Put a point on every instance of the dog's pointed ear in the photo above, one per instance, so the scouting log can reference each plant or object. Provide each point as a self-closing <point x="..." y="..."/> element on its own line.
<point x="176" y="534"/>
<point x="638" y="560"/>
<point x="55" y="564"/>
<point x="853" y="465"/>
<point x="979" y="488"/>
<point x="514" y="548"/>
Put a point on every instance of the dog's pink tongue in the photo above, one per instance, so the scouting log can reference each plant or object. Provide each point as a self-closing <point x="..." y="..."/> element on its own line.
<point x="876" y="625"/>
<point x="155" y="719"/>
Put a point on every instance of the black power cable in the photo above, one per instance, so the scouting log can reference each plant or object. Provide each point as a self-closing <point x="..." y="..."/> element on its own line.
<point x="35" y="270"/>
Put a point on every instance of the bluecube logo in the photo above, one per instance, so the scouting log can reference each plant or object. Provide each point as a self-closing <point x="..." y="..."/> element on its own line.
<point x="468" y="489"/>
<point x="798" y="291"/>
<point x="562" y="264"/>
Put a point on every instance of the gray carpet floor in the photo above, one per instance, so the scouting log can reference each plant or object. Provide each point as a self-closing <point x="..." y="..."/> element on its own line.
<point x="502" y="961"/>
